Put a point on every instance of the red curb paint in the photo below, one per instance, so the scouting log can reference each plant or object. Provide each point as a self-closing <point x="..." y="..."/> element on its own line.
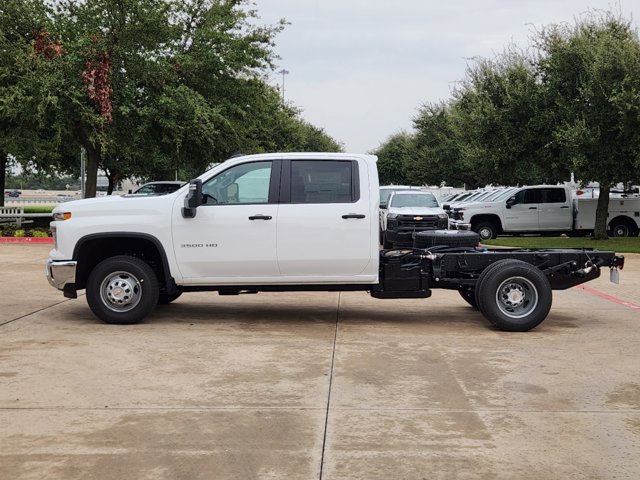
<point x="611" y="298"/>
<point x="27" y="240"/>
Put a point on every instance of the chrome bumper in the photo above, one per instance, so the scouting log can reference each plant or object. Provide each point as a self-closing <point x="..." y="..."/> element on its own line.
<point x="61" y="272"/>
<point x="458" y="225"/>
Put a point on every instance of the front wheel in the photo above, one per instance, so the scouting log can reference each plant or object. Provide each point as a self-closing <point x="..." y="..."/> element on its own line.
<point x="515" y="297"/>
<point x="486" y="230"/>
<point x="122" y="290"/>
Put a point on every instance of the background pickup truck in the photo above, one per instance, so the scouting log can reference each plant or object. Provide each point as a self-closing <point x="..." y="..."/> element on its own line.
<point x="409" y="212"/>
<point x="289" y="222"/>
<point x="545" y="209"/>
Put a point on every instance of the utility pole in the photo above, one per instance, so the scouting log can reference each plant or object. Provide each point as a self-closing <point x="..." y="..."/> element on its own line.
<point x="83" y="168"/>
<point x="283" y="72"/>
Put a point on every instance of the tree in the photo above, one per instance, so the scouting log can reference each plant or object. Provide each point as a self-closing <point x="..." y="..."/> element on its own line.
<point x="592" y="70"/>
<point x="438" y="149"/>
<point x="149" y="85"/>
<point x="23" y="93"/>
<point x="397" y="160"/>
<point x="500" y="116"/>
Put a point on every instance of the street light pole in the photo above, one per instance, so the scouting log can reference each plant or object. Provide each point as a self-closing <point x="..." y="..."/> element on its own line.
<point x="283" y="72"/>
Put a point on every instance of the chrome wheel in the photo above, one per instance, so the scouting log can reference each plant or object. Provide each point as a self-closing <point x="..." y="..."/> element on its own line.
<point x="516" y="297"/>
<point x="121" y="291"/>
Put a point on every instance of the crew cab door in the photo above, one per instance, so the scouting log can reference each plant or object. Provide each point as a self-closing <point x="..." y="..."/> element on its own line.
<point x="325" y="223"/>
<point x="555" y="212"/>
<point x="521" y="212"/>
<point x="232" y="238"/>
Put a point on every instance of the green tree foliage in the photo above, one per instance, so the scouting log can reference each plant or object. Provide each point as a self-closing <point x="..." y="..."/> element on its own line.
<point x="500" y="118"/>
<point x="24" y="93"/>
<point x="397" y="161"/>
<point x="438" y="155"/>
<point x="592" y="72"/>
<point x="149" y="88"/>
<point x="572" y="103"/>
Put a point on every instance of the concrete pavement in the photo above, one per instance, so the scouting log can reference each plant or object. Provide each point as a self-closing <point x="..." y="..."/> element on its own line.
<point x="315" y="385"/>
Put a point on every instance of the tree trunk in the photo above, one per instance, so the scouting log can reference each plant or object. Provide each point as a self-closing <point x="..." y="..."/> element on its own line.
<point x="93" y="160"/>
<point x="113" y="176"/>
<point x="602" y="214"/>
<point x="3" y="174"/>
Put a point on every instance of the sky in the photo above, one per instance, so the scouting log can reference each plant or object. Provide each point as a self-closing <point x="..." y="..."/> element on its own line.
<point x="361" y="69"/>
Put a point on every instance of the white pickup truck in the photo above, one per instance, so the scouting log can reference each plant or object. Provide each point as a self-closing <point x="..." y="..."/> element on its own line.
<point x="545" y="209"/>
<point x="289" y="222"/>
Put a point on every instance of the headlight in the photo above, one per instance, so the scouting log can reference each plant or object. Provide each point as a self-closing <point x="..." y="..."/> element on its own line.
<point x="392" y="216"/>
<point x="61" y="216"/>
<point x="443" y="215"/>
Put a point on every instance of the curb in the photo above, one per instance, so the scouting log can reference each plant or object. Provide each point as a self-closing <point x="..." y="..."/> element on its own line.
<point x="27" y="240"/>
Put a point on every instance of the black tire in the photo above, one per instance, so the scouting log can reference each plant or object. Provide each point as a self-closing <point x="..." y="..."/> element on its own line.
<point x="516" y="297"/>
<point x="485" y="230"/>
<point x="451" y="238"/>
<point x="485" y="273"/>
<point x="166" y="298"/>
<point x="621" y="227"/>
<point x="469" y="296"/>
<point x="122" y="290"/>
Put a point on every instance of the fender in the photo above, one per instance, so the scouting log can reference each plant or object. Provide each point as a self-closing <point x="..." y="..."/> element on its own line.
<point x="170" y="284"/>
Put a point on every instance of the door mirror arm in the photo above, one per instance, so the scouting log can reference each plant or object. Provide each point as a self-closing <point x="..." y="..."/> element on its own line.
<point x="193" y="199"/>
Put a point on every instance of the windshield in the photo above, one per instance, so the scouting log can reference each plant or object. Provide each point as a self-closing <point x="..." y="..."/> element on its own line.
<point x="414" y="200"/>
<point x="385" y="193"/>
<point x="504" y="194"/>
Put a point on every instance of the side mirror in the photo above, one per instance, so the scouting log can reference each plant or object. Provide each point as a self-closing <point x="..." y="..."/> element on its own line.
<point x="511" y="202"/>
<point x="193" y="199"/>
<point x="383" y="206"/>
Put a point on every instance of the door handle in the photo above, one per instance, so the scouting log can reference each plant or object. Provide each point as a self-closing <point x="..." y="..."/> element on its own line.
<point x="533" y="208"/>
<point x="564" y="207"/>
<point x="353" y="215"/>
<point x="260" y="217"/>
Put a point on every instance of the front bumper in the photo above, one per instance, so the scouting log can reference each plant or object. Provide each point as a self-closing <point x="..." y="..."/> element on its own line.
<point x="61" y="273"/>
<point x="459" y="225"/>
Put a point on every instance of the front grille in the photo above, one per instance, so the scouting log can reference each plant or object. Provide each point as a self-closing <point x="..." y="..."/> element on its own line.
<point x="409" y="221"/>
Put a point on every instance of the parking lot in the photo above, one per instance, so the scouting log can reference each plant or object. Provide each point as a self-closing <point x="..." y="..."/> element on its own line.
<point x="316" y="385"/>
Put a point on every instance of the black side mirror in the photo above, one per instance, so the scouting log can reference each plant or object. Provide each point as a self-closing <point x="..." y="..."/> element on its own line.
<point x="383" y="206"/>
<point x="511" y="202"/>
<point x="193" y="199"/>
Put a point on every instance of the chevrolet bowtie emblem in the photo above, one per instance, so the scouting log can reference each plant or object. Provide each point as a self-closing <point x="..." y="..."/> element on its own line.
<point x="417" y="219"/>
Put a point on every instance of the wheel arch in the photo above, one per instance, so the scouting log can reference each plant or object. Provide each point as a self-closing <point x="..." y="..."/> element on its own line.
<point x="487" y="217"/>
<point x="94" y="248"/>
<point x="628" y="221"/>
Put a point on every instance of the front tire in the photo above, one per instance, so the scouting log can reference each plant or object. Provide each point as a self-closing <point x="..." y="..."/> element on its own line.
<point x="486" y="230"/>
<point x="516" y="297"/>
<point x="122" y="290"/>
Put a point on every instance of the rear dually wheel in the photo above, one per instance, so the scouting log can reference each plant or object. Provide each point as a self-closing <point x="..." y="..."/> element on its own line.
<point x="515" y="296"/>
